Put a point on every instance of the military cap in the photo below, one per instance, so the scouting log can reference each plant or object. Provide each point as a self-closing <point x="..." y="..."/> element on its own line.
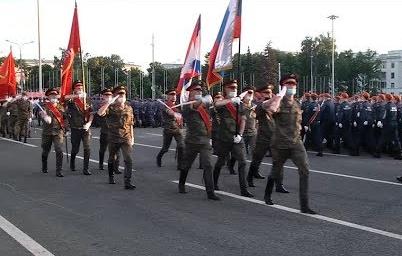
<point x="249" y="88"/>
<point x="77" y="83"/>
<point x="229" y="82"/>
<point x="287" y="77"/>
<point x="170" y="91"/>
<point x="195" y="84"/>
<point x="381" y="96"/>
<point x="389" y="97"/>
<point x="106" y="91"/>
<point x="51" y="91"/>
<point x="344" y="95"/>
<point x="366" y="95"/>
<point x="314" y="96"/>
<point x="119" y="89"/>
<point x="265" y="88"/>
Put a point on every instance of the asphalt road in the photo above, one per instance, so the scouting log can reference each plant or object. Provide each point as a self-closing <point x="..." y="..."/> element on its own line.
<point x="358" y="200"/>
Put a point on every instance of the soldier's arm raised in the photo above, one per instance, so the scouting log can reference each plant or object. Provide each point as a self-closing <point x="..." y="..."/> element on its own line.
<point x="102" y="110"/>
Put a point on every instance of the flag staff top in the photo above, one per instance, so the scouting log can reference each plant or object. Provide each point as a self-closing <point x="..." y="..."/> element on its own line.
<point x="39" y="51"/>
<point x="333" y="18"/>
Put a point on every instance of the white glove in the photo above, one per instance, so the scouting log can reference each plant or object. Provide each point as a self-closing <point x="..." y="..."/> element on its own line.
<point x="177" y="116"/>
<point x="86" y="126"/>
<point x="8" y="113"/>
<point x="324" y="141"/>
<point x="365" y="123"/>
<point x="336" y="124"/>
<point x="82" y="95"/>
<point x="237" y="139"/>
<point x="30" y="120"/>
<point x="112" y="100"/>
<point x="354" y="124"/>
<point x="340" y="126"/>
<point x="358" y="114"/>
<point x="379" y="124"/>
<point x="207" y="100"/>
<point x="47" y="119"/>
<point x="305" y="128"/>
<point x="282" y="92"/>
<point x="236" y="100"/>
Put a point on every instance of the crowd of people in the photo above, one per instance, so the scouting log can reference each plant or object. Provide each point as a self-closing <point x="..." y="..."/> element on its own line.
<point x="228" y="124"/>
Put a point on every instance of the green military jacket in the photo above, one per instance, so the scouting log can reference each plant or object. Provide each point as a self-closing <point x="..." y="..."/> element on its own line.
<point x="287" y="125"/>
<point x="119" y="122"/>
<point x="76" y="117"/>
<point x="250" y="128"/>
<point x="54" y="128"/>
<point x="227" y="126"/>
<point x="196" y="132"/>
<point x="266" y="124"/>
<point x="13" y="109"/>
<point x="169" y="123"/>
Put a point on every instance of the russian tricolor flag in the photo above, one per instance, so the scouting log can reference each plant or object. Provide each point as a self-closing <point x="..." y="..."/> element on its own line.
<point x="220" y="57"/>
<point x="192" y="63"/>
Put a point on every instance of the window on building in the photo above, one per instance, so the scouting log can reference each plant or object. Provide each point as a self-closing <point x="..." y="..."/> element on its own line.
<point x="392" y="75"/>
<point x="392" y="65"/>
<point x="392" y="85"/>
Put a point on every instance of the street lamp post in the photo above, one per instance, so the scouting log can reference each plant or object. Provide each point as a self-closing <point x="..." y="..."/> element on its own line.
<point x="21" y="70"/>
<point x="333" y="18"/>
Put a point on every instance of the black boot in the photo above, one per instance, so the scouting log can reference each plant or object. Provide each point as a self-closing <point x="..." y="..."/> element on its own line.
<point x="44" y="164"/>
<point x="72" y="163"/>
<point x="258" y="175"/>
<point x="159" y="160"/>
<point x="231" y="163"/>
<point x="281" y="189"/>
<point x="128" y="185"/>
<point x="303" y="194"/>
<point x="216" y="178"/>
<point x="101" y="157"/>
<point x="212" y="196"/>
<point x="110" y="169"/>
<point x="86" y="163"/>
<point x="182" y="181"/>
<point x="25" y="139"/>
<point x="59" y="164"/>
<point x="268" y="191"/>
<point x="250" y="176"/>
<point x="399" y="179"/>
<point x="246" y="193"/>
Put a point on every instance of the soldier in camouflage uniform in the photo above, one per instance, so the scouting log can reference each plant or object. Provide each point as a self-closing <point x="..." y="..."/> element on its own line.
<point x="3" y="118"/>
<point x="120" y="120"/>
<point x="197" y="138"/>
<point x="230" y="132"/>
<point x="24" y="112"/>
<point x="78" y="108"/>
<point x="172" y="125"/>
<point x="12" y="112"/>
<point x="107" y="96"/>
<point x="53" y="130"/>
<point x="286" y="141"/>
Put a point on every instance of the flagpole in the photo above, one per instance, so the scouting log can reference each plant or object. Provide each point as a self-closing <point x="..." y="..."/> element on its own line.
<point x="39" y="52"/>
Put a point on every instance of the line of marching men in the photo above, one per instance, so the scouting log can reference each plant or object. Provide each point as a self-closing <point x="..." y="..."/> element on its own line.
<point x="358" y="122"/>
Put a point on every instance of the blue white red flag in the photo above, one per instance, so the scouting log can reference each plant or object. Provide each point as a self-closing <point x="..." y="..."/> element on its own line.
<point x="192" y="63"/>
<point x="220" y="57"/>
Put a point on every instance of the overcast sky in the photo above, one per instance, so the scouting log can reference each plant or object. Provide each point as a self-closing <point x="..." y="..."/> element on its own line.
<point x="125" y="27"/>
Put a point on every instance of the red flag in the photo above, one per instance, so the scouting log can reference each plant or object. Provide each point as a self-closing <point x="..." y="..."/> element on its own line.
<point x="73" y="48"/>
<point x="8" y="83"/>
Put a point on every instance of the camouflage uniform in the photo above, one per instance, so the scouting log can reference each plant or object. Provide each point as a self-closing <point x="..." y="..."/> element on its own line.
<point x="24" y="112"/>
<point x="12" y="120"/>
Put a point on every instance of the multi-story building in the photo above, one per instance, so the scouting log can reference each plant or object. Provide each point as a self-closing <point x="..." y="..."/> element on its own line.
<point x="391" y="79"/>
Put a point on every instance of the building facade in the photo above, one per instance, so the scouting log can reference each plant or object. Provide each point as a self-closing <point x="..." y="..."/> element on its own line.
<point x="391" y="79"/>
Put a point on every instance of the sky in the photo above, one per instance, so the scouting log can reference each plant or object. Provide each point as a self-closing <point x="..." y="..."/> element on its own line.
<point x="125" y="27"/>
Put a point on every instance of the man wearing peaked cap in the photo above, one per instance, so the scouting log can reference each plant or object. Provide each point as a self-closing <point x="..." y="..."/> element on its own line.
<point x="120" y="120"/>
<point x="172" y="123"/>
<point x="327" y="119"/>
<point x="24" y="113"/>
<point x="106" y="97"/>
<point x="342" y="123"/>
<point x="80" y="117"/>
<point x="391" y="137"/>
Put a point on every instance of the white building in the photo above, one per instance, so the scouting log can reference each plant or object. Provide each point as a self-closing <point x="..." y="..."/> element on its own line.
<point x="391" y="79"/>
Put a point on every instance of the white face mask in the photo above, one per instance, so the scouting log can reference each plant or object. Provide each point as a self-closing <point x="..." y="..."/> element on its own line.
<point x="107" y="99"/>
<point x="121" y="100"/>
<point x="197" y="96"/>
<point x="291" y="91"/>
<point x="232" y="94"/>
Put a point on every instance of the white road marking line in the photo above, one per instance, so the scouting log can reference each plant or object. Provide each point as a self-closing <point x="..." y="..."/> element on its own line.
<point x="19" y="142"/>
<point x="154" y="134"/>
<point x="292" y="210"/>
<point x="26" y="241"/>
<point x="311" y="170"/>
<point x="329" y="154"/>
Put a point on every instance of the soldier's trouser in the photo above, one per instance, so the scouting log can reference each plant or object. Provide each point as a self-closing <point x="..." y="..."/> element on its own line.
<point x="316" y="137"/>
<point x="237" y="151"/>
<point x="11" y="126"/>
<point x="4" y="127"/>
<point x="128" y="161"/>
<point x="76" y="136"/>
<point x="103" y="145"/>
<point x="298" y="155"/>
<point x="249" y="143"/>
<point x="57" y="141"/>
<point x="190" y="153"/>
<point x="356" y="139"/>
<point x="379" y="138"/>
<point x="327" y="132"/>
<point x="167" y="140"/>
<point x="261" y="149"/>
<point x="392" y="138"/>
<point x="368" y="138"/>
<point x="21" y="128"/>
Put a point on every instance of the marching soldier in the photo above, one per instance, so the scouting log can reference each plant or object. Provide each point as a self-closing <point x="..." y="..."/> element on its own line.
<point x="391" y="128"/>
<point x="379" y="118"/>
<point x="24" y="113"/>
<point x="53" y="130"/>
<point x="3" y="118"/>
<point x="286" y="141"/>
<point x="314" y="124"/>
<point x="120" y="120"/>
<point x="230" y="133"/>
<point x="368" y="121"/>
<point x="342" y="119"/>
<point x="172" y="125"/>
<point x="197" y="138"/>
<point x="12" y="113"/>
<point x="107" y="97"/>
<point x="265" y="129"/>
<point x="215" y="122"/>
<point x="327" y="119"/>
<point x="80" y="118"/>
